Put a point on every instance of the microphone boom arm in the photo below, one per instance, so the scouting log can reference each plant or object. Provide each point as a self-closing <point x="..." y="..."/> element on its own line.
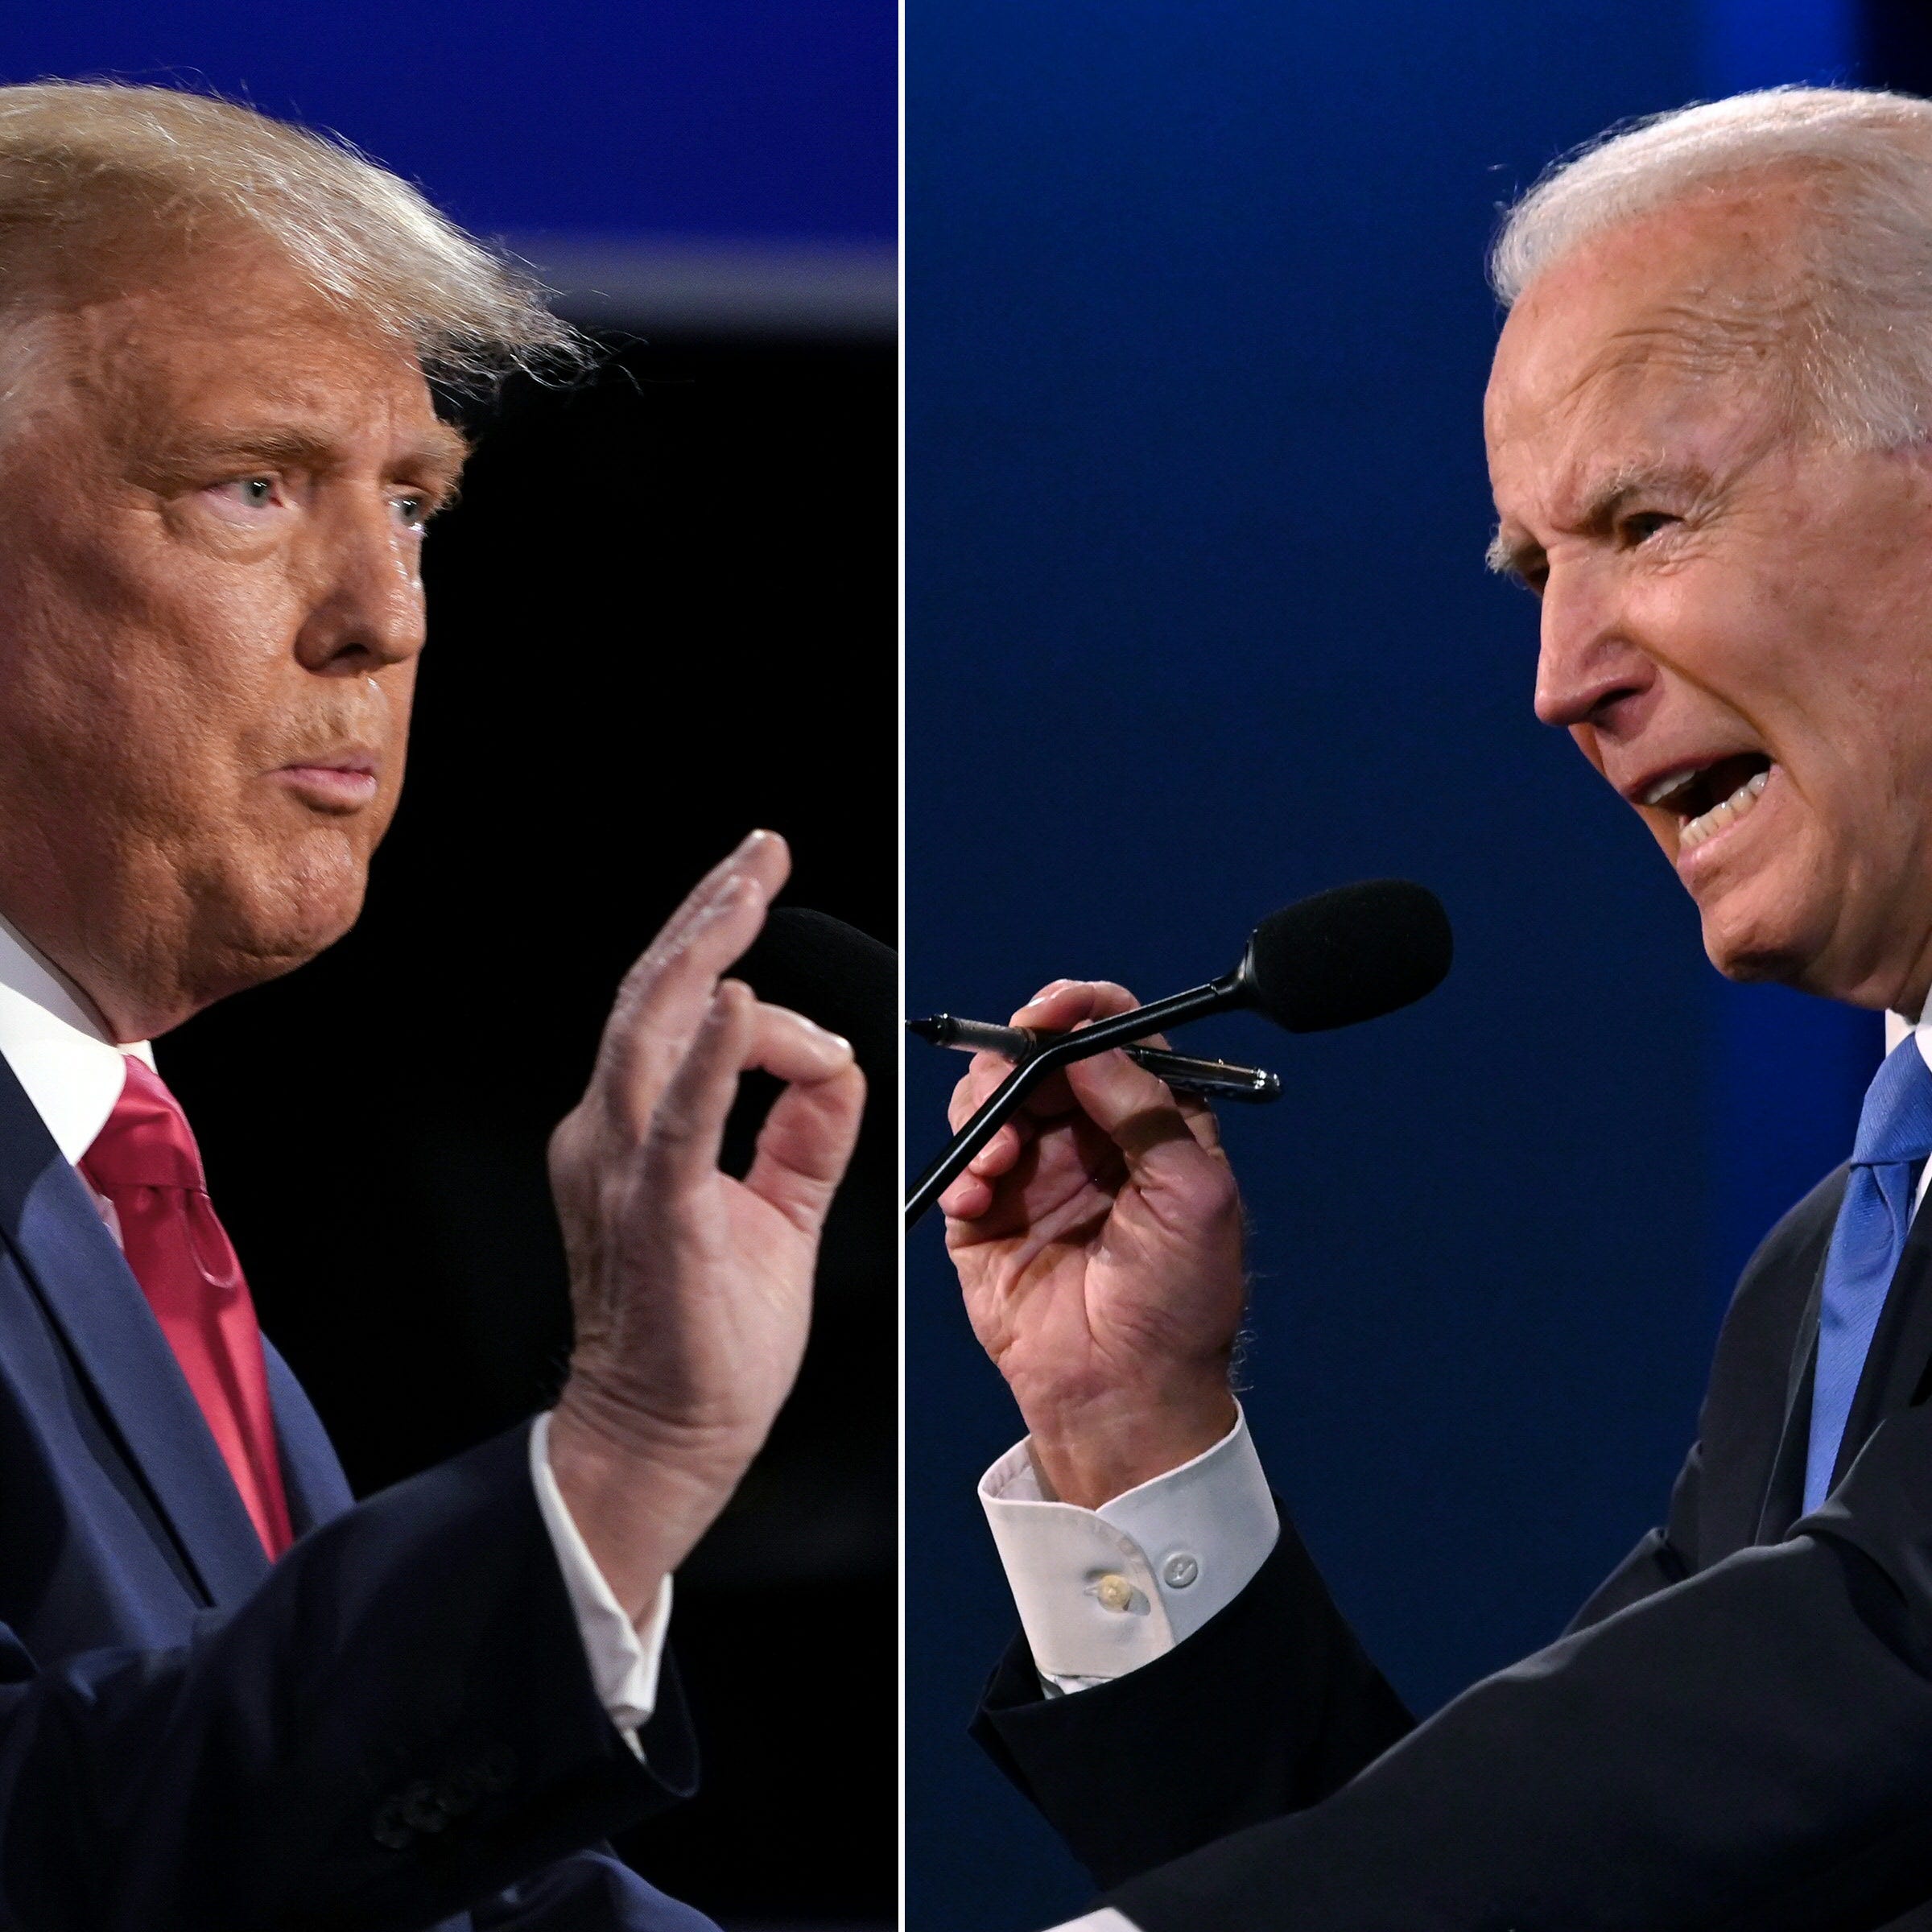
<point x="1118" y="1029"/>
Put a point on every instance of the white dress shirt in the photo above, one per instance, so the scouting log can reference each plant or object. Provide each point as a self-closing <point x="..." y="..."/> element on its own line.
<point x="72" y="1072"/>
<point x="1093" y="1586"/>
<point x="1102" y="1591"/>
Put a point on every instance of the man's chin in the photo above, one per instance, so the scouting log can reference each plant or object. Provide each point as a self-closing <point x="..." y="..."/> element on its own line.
<point x="1752" y="935"/>
<point x="275" y="925"/>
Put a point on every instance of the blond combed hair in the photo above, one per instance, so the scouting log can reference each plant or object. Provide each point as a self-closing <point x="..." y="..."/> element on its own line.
<point x="78" y="157"/>
<point x="1856" y="328"/>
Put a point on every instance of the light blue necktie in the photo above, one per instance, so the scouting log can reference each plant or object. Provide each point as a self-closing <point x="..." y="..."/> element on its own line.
<point x="1894" y="1131"/>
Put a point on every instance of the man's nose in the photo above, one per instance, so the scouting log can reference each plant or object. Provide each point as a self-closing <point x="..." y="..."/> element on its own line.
<point x="1590" y="667"/>
<point x="366" y="609"/>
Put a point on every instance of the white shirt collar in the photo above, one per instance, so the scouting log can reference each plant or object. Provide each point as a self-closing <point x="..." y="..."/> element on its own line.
<point x="57" y="1046"/>
<point x="1897" y="1026"/>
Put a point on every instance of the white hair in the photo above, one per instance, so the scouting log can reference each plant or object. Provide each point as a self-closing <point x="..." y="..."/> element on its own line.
<point x="79" y="160"/>
<point x="1855" y="334"/>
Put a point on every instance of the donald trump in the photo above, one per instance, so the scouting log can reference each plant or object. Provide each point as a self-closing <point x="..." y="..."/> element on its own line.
<point x="229" y="1697"/>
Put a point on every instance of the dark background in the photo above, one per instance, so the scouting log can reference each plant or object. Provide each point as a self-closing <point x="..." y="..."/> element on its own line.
<point x="1197" y="334"/>
<point x="662" y="613"/>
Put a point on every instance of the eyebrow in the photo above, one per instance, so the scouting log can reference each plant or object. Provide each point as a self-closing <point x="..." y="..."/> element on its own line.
<point x="1503" y="558"/>
<point x="1598" y="510"/>
<point x="442" y="451"/>
<point x="1610" y="494"/>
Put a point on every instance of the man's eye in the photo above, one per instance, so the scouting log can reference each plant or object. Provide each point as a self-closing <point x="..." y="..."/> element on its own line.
<point x="254" y="493"/>
<point x="415" y="511"/>
<point x="1643" y="524"/>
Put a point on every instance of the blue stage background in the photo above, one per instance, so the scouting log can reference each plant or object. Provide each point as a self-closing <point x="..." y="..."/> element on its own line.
<point x="736" y="119"/>
<point x="1197" y="335"/>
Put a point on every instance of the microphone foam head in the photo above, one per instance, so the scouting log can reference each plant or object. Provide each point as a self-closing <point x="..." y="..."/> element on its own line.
<point x="1351" y="954"/>
<point x="833" y="973"/>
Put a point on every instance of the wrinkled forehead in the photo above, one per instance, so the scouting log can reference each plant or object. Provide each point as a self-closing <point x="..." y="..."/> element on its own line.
<point x="209" y="336"/>
<point x="1678" y="329"/>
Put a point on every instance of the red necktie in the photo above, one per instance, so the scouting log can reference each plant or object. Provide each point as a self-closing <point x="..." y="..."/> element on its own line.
<point x="145" y="1161"/>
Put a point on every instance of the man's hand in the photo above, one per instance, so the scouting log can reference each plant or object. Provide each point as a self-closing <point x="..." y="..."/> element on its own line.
<point x="1098" y="1238"/>
<point x="691" y="1291"/>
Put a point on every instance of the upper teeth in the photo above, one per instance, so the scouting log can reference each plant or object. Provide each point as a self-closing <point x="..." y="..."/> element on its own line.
<point x="1708" y="824"/>
<point x="1664" y="786"/>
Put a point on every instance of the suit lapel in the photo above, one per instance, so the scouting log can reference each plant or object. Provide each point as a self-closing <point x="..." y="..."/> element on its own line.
<point x="311" y="1475"/>
<point x="1897" y="1368"/>
<point x="1758" y="1396"/>
<point x="1901" y="1346"/>
<point x="49" y="1220"/>
<point x="1784" y="1492"/>
<point x="1785" y="1487"/>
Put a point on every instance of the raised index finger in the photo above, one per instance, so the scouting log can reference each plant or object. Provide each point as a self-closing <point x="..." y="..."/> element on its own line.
<point x="664" y="995"/>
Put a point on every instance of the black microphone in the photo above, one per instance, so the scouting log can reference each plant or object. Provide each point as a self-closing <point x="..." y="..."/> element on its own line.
<point x="1348" y="954"/>
<point x="849" y="982"/>
<point x="833" y="973"/>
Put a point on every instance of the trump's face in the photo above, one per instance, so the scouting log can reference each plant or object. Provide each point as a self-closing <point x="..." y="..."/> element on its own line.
<point x="212" y="491"/>
<point x="1736" y="622"/>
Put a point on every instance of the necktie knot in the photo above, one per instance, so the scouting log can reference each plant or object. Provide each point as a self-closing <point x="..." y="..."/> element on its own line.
<point x="147" y="1141"/>
<point x="1895" y="1124"/>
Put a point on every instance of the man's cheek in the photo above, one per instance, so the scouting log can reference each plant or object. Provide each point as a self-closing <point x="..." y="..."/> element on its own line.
<point x="1664" y="829"/>
<point x="1583" y="736"/>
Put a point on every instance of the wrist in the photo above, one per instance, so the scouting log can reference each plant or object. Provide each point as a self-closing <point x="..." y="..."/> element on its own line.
<point x="640" y="1498"/>
<point x="659" y="1421"/>
<point x="1089" y="1453"/>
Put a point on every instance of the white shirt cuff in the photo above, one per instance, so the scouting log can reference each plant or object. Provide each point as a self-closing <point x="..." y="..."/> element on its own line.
<point x="1102" y="1591"/>
<point x="1105" y="1920"/>
<point x="625" y="1658"/>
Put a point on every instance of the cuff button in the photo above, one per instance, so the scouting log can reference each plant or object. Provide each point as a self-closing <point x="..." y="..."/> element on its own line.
<point x="1180" y="1571"/>
<point x="1114" y="1592"/>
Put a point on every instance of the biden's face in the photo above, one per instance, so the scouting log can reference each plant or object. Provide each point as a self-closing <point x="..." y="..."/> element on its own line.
<point x="1737" y="619"/>
<point x="212" y="492"/>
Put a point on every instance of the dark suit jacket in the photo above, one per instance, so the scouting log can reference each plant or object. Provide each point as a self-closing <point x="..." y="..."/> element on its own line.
<point x="389" y="1726"/>
<point x="1735" y="1732"/>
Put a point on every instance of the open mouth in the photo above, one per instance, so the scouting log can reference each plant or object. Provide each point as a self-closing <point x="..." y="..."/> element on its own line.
<point x="1711" y="798"/>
